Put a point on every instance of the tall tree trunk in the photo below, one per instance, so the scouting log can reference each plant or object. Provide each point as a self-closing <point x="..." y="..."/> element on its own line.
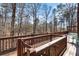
<point x="12" y="23"/>
<point x="46" y="25"/>
<point x="5" y="20"/>
<point x="51" y="26"/>
<point x="54" y="25"/>
<point x="34" y="26"/>
<point x="34" y="20"/>
<point x="78" y="20"/>
<point x="13" y="19"/>
<point x="20" y="26"/>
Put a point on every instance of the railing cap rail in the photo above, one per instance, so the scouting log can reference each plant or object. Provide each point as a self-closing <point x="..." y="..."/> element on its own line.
<point x="11" y="37"/>
<point x="34" y="37"/>
<point x="38" y="49"/>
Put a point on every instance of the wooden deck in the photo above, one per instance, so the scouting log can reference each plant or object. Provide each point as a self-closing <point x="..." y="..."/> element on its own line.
<point x="71" y="49"/>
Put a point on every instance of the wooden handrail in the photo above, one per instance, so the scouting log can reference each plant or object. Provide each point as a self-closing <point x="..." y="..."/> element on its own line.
<point x="36" y="51"/>
<point x="31" y="38"/>
<point x="2" y="38"/>
<point x="48" y="44"/>
<point x="8" y="44"/>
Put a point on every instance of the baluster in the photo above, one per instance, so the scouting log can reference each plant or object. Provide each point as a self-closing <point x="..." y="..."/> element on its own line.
<point x="38" y="40"/>
<point x="6" y="44"/>
<point x="19" y="46"/>
<point x="12" y="42"/>
<point x="41" y="40"/>
<point x="29" y="42"/>
<point x="2" y="45"/>
<point x="28" y="52"/>
<point x="32" y="42"/>
<point x="35" y="41"/>
<point x="23" y="49"/>
<point x="15" y="42"/>
<point x="9" y="43"/>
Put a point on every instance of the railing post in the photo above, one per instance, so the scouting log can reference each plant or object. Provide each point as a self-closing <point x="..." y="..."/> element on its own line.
<point x="51" y="37"/>
<point x="28" y="52"/>
<point x="66" y="40"/>
<point x="19" y="51"/>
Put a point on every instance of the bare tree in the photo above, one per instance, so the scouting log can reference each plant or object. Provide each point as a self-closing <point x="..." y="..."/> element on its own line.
<point x="20" y="17"/>
<point x="47" y="10"/>
<point x="54" y="20"/>
<point x="4" y="15"/>
<point x="13" y="19"/>
<point x="78" y="21"/>
<point x="34" y="10"/>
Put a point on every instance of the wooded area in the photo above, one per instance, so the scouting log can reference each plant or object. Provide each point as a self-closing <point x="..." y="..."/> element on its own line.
<point x="32" y="18"/>
<point x="33" y="25"/>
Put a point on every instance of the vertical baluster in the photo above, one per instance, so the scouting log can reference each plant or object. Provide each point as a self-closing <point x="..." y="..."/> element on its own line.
<point x="23" y="49"/>
<point x="2" y="45"/>
<point x="29" y="42"/>
<point x="6" y="44"/>
<point x="32" y="42"/>
<point x="19" y="47"/>
<point x="11" y="43"/>
<point x="28" y="52"/>
<point x="43" y="39"/>
<point x="39" y="40"/>
<point x="14" y="43"/>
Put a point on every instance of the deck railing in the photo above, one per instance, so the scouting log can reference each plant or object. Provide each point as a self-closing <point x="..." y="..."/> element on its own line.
<point x="72" y="29"/>
<point x="8" y="44"/>
<point x="52" y="47"/>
